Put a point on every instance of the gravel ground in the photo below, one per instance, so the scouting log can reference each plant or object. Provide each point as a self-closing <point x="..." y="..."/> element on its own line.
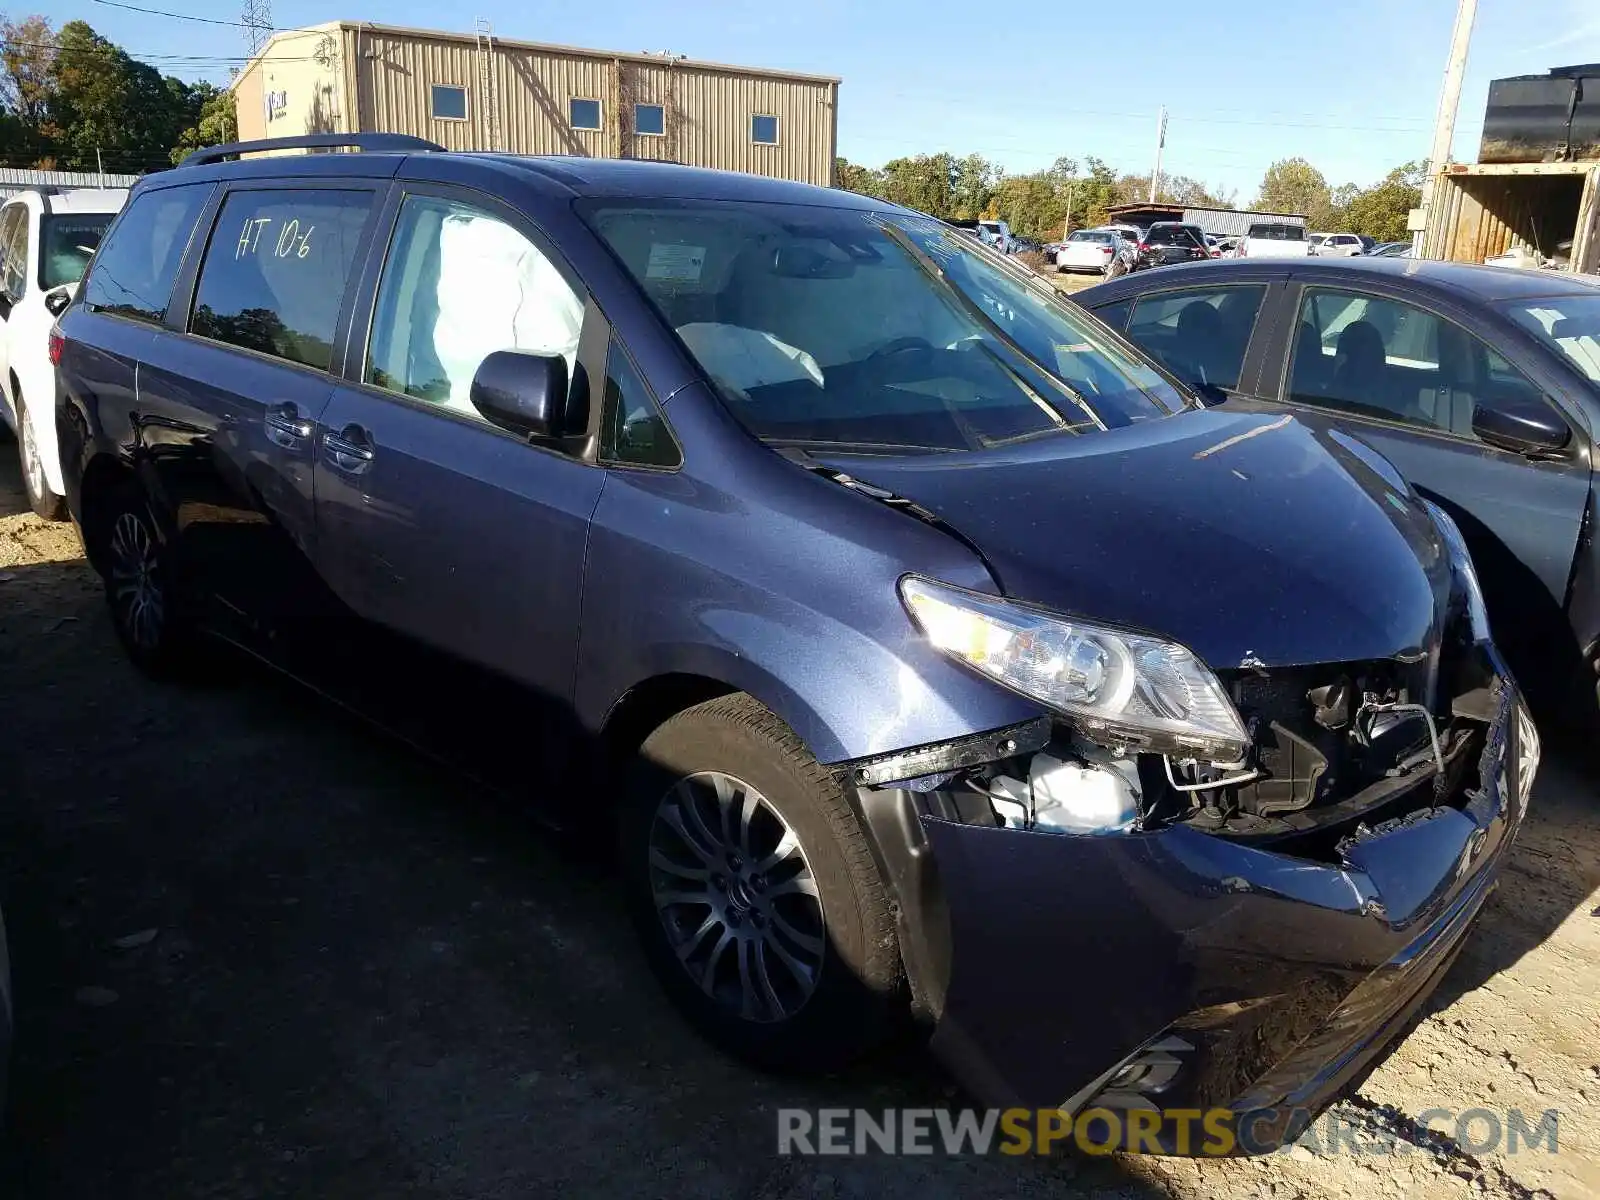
<point x="259" y="951"/>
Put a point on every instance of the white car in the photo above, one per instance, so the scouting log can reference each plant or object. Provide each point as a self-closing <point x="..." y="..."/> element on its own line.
<point x="1274" y="239"/>
<point x="46" y="241"/>
<point x="1341" y="245"/>
<point x="1101" y="250"/>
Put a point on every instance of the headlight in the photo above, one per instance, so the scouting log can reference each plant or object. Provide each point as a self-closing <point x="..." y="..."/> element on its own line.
<point x="1461" y="560"/>
<point x="1118" y="687"/>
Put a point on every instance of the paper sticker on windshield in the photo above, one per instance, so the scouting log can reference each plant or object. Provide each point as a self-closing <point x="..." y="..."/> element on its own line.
<point x="675" y="263"/>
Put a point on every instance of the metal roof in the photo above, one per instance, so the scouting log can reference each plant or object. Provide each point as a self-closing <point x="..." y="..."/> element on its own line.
<point x="20" y="179"/>
<point x="1225" y="222"/>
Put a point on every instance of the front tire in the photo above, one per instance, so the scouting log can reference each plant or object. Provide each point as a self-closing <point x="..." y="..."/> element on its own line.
<point x="44" y="502"/>
<point x="755" y="892"/>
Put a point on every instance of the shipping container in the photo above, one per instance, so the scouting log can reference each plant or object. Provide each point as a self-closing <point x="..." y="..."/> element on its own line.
<point x="1481" y="210"/>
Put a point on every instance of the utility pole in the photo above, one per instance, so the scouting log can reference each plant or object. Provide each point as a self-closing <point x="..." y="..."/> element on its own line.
<point x="99" y="167"/>
<point x="1444" y="121"/>
<point x="1161" y="141"/>
<point x="1066" y="223"/>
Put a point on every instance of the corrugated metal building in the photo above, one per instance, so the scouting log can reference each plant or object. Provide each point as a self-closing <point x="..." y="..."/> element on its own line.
<point x="475" y="91"/>
<point x="20" y="179"/>
<point x="1224" y="222"/>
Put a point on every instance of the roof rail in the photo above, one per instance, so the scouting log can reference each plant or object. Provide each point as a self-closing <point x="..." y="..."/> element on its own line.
<point x="311" y="141"/>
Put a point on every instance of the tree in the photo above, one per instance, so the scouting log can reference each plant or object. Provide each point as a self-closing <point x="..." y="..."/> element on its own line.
<point x="218" y="122"/>
<point x="1294" y="186"/>
<point x="1381" y="211"/>
<point x="925" y="183"/>
<point x="106" y="105"/>
<point x="853" y="177"/>
<point x="26" y="85"/>
<point x="975" y="181"/>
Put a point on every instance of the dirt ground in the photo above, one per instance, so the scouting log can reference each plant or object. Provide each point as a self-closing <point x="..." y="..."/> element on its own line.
<point x="260" y="952"/>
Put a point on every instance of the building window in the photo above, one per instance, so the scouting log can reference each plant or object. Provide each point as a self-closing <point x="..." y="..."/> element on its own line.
<point x="585" y="114"/>
<point x="764" y="130"/>
<point x="649" y="120"/>
<point x="449" y="102"/>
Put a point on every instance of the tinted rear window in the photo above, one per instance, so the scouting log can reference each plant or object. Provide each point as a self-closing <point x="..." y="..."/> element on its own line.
<point x="276" y="271"/>
<point x="1170" y="235"/>
<point x="66" y="244"/>
<point x="1278" y="233"/>
<point x="133" y="273"/>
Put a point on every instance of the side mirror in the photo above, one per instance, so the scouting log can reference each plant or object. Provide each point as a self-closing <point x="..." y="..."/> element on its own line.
<point x="1522" y="426"/>
<point x="523" y="392"/>
<point x="56" y="301"/>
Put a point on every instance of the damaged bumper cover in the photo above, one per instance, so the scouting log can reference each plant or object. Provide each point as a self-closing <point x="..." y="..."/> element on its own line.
<point x="1174" y="969"/>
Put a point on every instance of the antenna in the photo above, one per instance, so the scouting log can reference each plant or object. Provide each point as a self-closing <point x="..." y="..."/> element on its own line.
<point x="257" y="21"/>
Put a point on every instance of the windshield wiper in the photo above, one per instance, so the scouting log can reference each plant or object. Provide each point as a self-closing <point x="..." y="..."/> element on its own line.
<point x="925" y="263"/>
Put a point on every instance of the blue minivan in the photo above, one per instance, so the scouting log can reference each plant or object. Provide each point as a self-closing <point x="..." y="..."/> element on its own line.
<point x="921" y="643"/>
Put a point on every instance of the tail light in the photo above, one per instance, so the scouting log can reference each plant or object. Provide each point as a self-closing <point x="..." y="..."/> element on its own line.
<point x="1143" y="246"/>
<point x="58" y="343"/>
<point x="1216" y="254"/>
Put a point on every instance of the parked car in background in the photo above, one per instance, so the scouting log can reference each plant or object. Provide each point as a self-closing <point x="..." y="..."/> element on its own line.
<point x="997" y="234"/>
<point x="1481" y="385"/>
<point x="1025" y="245"/>
<point x="1168" y="242"/>
<point x="1342" y="245"/>
<point x="1274" y="239"/>
<point x="46" y="241"/>
<point x="1391" y="250"/>
<point x="1227" y="247"/>
<point x="1099" y="250"/>
<point x="722" y="511"/>
<point x="1314" y="241"/>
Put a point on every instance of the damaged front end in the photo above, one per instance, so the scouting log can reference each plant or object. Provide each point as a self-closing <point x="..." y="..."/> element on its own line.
<point x="1213" y="890"/>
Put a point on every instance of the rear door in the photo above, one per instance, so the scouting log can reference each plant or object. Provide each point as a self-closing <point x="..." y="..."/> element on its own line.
<point x="434" y="524"/>
<point x="230" y="392"/>
<point x="1213" y="336"/>
<point x="1403" y="372"/>
<point x="126" y="299"/>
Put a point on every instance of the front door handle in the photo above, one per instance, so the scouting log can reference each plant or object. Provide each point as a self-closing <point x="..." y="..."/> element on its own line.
<point x="286" y="427"/>
<point x="350" y="450"/>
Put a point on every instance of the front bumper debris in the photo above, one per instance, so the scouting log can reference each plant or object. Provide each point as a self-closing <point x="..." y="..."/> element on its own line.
<point x="1175" y="970"/>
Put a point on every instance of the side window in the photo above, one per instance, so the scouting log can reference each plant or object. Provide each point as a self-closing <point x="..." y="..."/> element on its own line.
<point x="14" y="248"/>
<point x="458" y="285"/>
<point x="635" y="429"/>
<point x="1200" y="335"/>
<point x="1116" y="313"/>
<point x="133" y="272"/>
<point x="276" y="270"/>
<point x="1379" y="357"/>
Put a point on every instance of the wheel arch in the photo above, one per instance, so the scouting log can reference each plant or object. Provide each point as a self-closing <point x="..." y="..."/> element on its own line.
<point x="104" y="475"/>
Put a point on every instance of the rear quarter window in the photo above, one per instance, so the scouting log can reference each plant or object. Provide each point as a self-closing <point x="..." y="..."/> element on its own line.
<point x="133" y="271"/>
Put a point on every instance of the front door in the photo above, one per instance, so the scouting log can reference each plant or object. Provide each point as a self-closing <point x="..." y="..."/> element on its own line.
<point x="1406" y="378"/>
<point x="434" y="524"/>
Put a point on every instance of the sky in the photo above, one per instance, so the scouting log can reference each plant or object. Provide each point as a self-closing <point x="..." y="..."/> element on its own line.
<point x="1353" y="87"/>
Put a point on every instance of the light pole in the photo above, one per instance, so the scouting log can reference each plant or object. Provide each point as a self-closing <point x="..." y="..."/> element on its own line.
<point x="1444" y="121"/>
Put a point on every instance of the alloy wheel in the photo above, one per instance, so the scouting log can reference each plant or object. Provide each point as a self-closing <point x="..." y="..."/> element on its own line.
<point x="32" y="463"/>
<point x="135" y="576"/>
<point x="736" y="896"/>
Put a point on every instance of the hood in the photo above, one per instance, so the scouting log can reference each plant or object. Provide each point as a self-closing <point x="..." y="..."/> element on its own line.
<point x="1248" y="536"/>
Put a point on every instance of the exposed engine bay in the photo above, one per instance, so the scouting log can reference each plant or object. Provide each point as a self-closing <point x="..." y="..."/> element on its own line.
<point x="1337" y="752"/>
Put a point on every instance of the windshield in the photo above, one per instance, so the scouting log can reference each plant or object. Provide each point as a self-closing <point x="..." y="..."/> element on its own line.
<point x="67" y="242"/>
<point x="1277" y="233"/>
<point x="1569" y="323"/>
<point x="1092" y="235"/>
<point x="881" y="332"/>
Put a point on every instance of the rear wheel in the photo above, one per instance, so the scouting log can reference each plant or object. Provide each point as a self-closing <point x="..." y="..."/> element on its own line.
<point x="41" y="498"/>
<point x="149" y="610"/>
<point x="755" y="892"/>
